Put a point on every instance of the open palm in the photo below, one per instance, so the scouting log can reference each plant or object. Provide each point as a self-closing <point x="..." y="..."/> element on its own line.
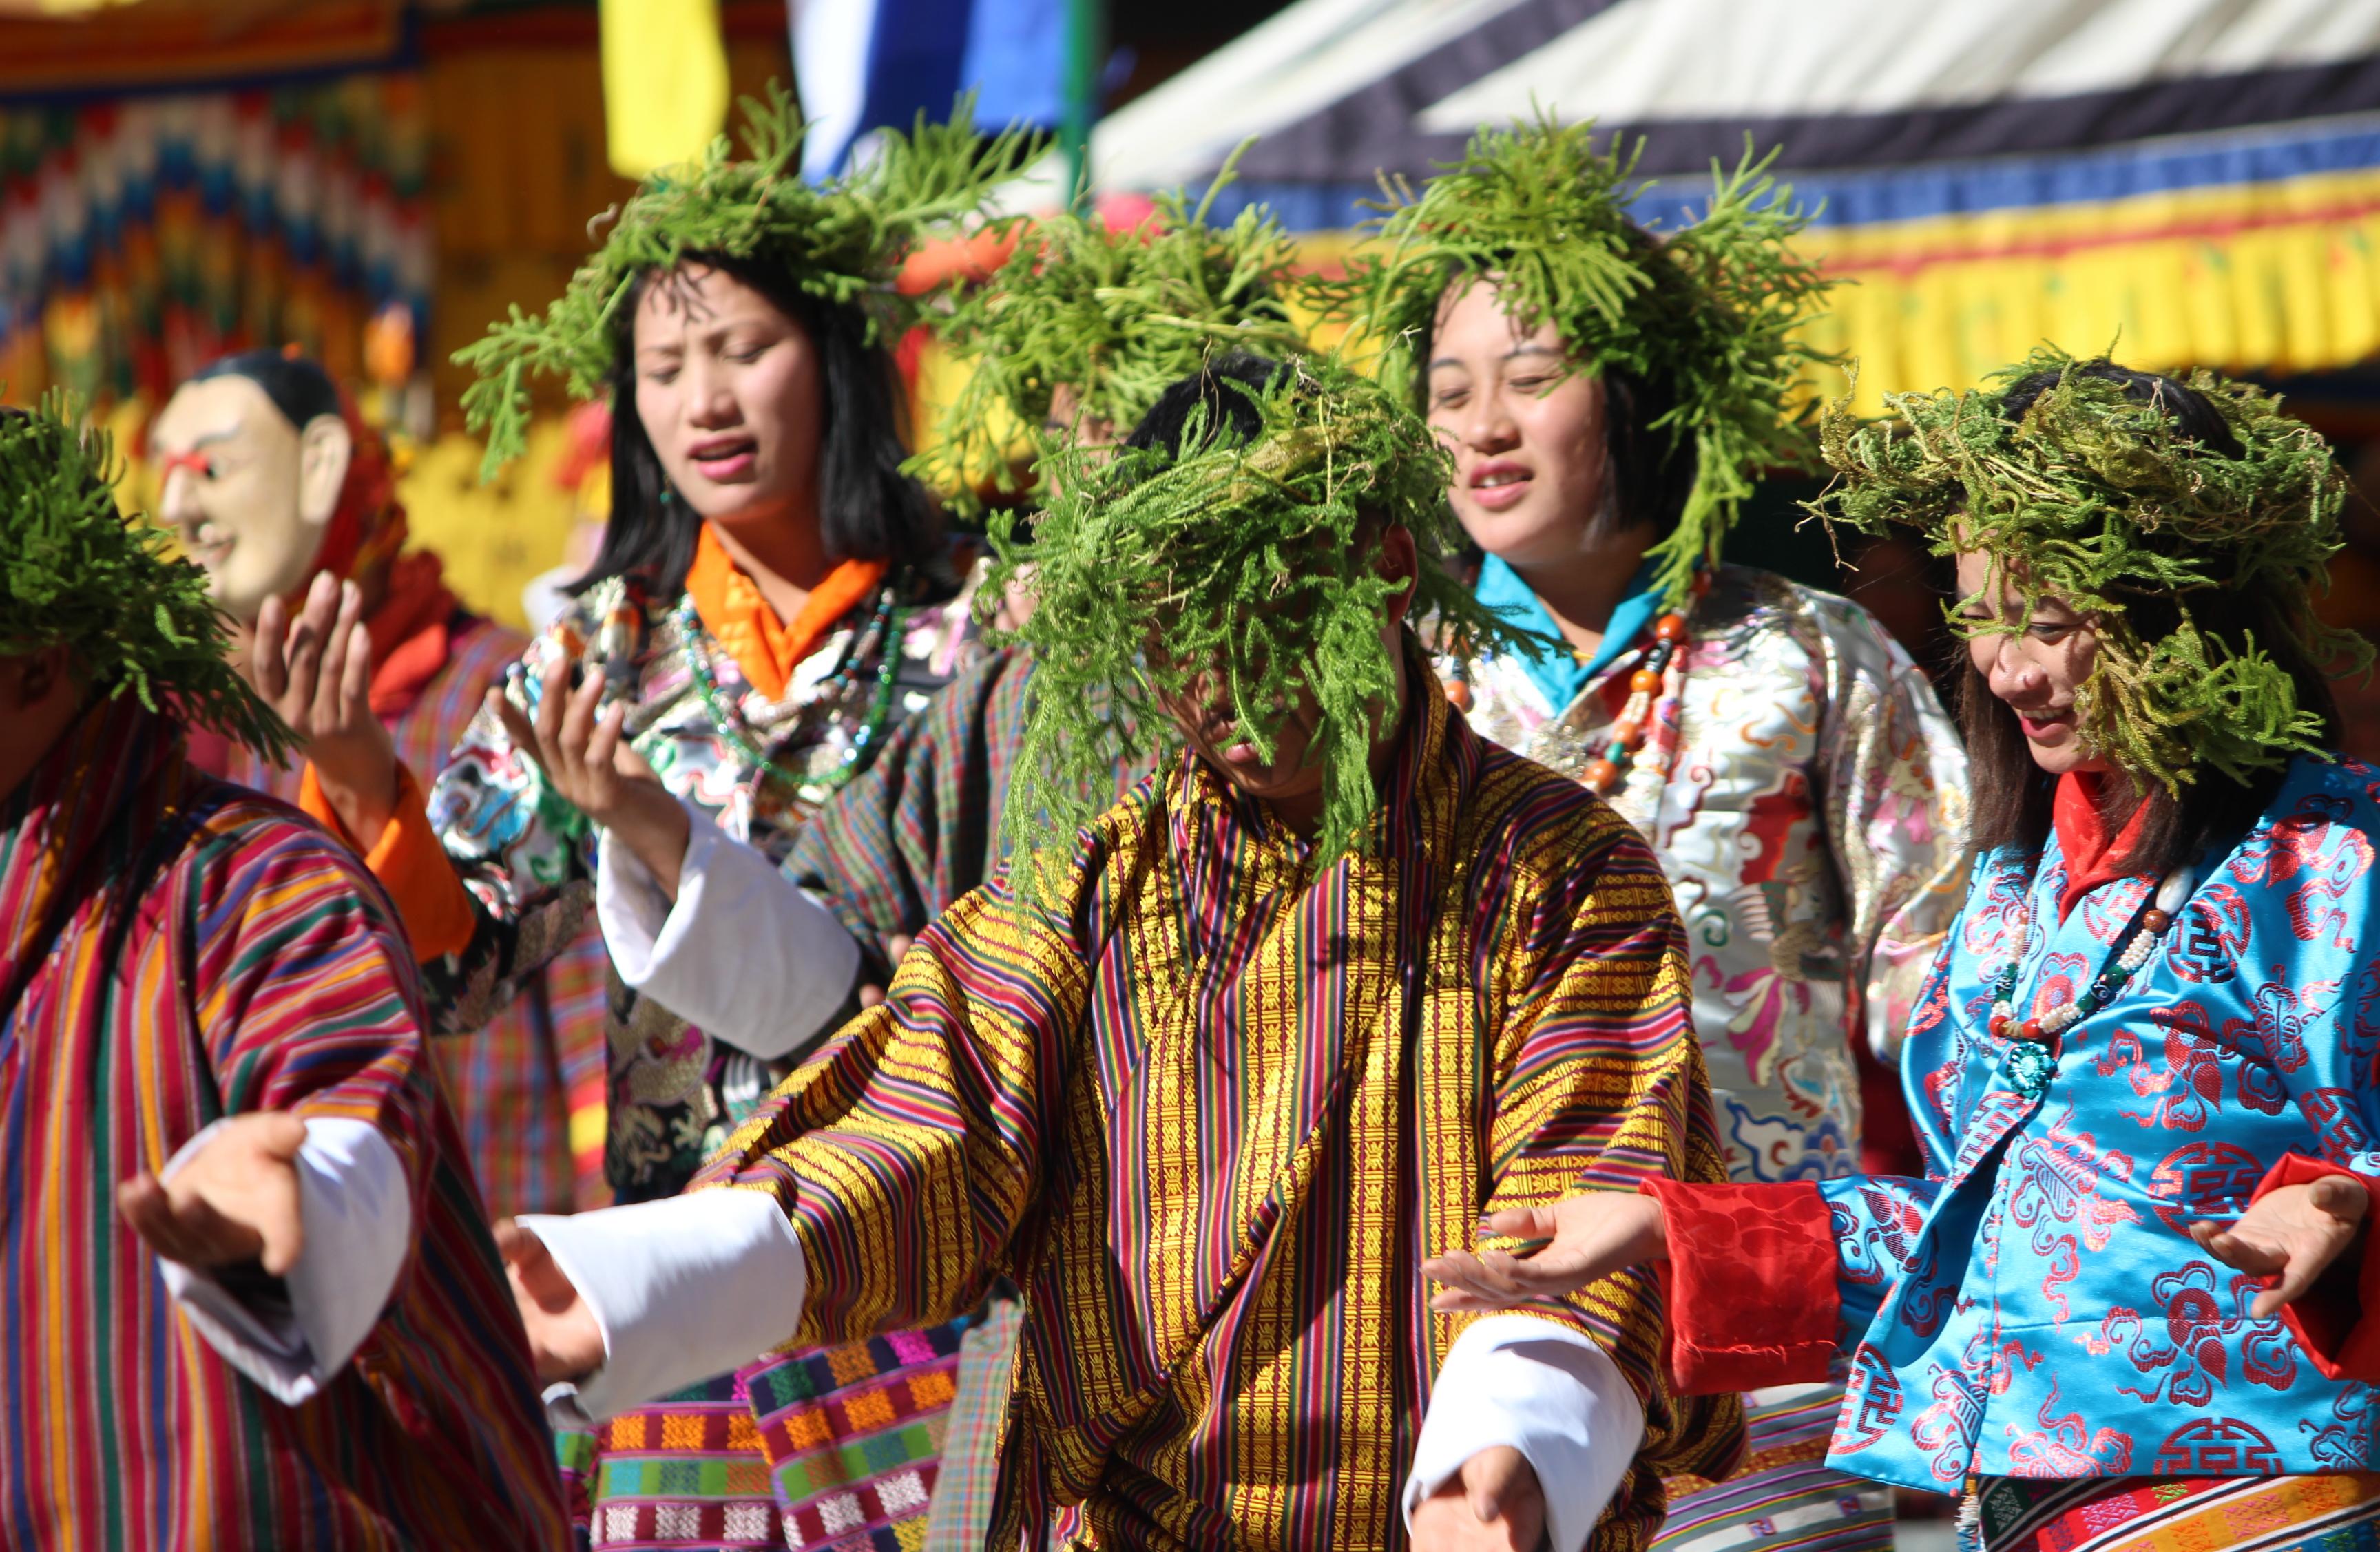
<point x="1592" y="1235"/>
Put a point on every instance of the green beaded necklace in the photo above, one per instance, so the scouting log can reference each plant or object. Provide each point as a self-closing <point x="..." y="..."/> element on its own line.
<point x="886" y="623"/>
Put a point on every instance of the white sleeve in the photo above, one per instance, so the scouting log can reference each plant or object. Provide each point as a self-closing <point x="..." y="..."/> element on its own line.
<point x="359" y="1224"/>
<point x="1547" y="1391"/>
<point x="682" y="1289"/>
<point x="745" y="954"/>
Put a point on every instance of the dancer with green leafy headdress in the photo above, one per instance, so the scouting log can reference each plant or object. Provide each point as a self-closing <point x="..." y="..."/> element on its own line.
<point x="2132" y="1287"/>
<point x="1083" y="317"/>
<point x="1086" y="324"/>
<point x="773" y="597"/>
<point x="1611" y="393"/>
<point x="2102" y="500"/>
<point x="1208" y="1075"/>
<point x="247" y="1274"/>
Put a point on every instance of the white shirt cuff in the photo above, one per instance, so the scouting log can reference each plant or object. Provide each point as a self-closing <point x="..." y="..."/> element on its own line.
<point x="682" y="1289"/>
<point x="1550" y="1392"/>
<point x="357" y="1216"/>
<point x="745" y="954"/>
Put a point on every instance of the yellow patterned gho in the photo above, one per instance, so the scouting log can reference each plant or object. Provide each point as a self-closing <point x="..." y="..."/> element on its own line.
<point x="1213" y="1141"/>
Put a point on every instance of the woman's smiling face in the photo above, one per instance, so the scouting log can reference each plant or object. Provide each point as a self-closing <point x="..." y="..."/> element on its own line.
<point x="1527" y="432"/>
<point x="2033" y="665"/>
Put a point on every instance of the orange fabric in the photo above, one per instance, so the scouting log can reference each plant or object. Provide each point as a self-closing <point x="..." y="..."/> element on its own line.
<point x="2092" y="858"/>
<point x="767" y="649"/>
<point x="409" y="864"/>
<point x="410" y="636"/>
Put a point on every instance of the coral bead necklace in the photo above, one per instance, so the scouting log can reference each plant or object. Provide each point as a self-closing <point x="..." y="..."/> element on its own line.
<point x="1660" y="680"/>
<point x="2031" y="1056"/>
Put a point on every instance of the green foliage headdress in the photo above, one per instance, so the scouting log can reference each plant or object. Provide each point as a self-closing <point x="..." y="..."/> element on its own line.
<point x="74" y="571"/>
<point x="840" y="242"/>
<point x="2102" y="500"/>
<point x="1250" y="558"/>
<point x="1711" y="311"/>
<point x="1117" y="317"/>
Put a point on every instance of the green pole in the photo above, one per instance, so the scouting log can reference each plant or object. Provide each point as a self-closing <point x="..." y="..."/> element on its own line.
<point x="1085" y="42"/>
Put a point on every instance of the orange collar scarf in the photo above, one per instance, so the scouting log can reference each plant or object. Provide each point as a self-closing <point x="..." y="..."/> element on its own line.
<point x="766" y="648"/>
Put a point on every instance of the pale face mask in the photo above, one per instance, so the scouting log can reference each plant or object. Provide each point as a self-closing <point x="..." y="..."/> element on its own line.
<point x="250" y="494"/>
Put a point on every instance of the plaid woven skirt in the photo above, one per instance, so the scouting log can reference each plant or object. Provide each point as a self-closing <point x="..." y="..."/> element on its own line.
<point x="834" y="1447"/>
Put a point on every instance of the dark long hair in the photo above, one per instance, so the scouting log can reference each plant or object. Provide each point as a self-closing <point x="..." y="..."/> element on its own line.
<point x="2012" y="797"/>
<point x="868" y="509"/>
<point x="1652" y="474"/>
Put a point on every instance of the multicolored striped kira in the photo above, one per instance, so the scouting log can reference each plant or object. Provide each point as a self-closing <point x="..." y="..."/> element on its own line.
<point x="178" y="949"/>
<point x="1210" y="1112"/>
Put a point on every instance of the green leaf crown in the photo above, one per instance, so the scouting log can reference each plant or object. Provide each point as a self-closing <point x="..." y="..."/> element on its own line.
<point x="2101" y="499"/>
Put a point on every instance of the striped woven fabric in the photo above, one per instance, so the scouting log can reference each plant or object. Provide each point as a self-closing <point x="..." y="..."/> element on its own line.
<point x="684" y="1473"/>
<point x="177" y="949"/>
<point x="920" y="828"/>
<point x="903" y="842"/>
<point x="854" y="1435"/>
<point x="892" y="852"/>
<point x="2330" y="1513"/>
<point x="510" y="1079"/>
<point x="831" y="1448"/>
<point x="1783" y="1498"/>
<point x="1210" y="1112"/>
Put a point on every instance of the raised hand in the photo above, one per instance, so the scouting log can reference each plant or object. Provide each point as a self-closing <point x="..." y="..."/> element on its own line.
<point x="2294" y="1233"/>
<point x="1594" y="1234"/>
<point x="588" y="763"/>
<point x="235" y="1200"/>
<point x="563" y="1337"/>
<point x="1494" y="1504"/>
<point x="315" y="670"/>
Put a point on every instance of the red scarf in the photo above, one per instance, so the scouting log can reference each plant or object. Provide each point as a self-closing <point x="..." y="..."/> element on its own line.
<point x="410" y="632"/>
<point x="2093" y="858"/>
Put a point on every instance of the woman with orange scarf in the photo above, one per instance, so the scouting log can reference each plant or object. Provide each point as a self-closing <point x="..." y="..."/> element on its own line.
<point x="771" y="596"/>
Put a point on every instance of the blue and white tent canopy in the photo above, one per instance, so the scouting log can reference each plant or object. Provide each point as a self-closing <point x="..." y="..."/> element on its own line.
<point x="2198" y="177"/>
<point x="1342" y="91"/>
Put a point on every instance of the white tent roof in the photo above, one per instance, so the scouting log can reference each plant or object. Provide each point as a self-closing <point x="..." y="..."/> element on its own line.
<point x="1314" y="52"/>
<point x="1341" y="87"/>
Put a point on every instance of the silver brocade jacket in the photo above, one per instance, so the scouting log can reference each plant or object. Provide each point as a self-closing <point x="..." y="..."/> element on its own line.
<point x="1813" y="826"/>
<point x="528" y="858"/>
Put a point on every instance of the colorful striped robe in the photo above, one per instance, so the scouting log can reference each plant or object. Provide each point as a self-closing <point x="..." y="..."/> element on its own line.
<point x="176" y="950"/>
<point x="1210" y="1114"/>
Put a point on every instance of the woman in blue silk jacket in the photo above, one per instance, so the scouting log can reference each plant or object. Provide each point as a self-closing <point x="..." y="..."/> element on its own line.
<point x="2123" y="1309"/>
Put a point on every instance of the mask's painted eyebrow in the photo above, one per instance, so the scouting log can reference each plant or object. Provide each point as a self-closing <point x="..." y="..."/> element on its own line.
<point x="209" y="439"/>
<point x="1512" y="355"/>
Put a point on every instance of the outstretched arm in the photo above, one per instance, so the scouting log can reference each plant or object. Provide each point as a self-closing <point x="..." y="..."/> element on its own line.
<point x="284" y="1226"/>
<point x="877" y="1189"/>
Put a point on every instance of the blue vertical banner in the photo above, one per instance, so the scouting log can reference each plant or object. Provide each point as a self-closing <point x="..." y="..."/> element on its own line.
<point x="865" y="65"/>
